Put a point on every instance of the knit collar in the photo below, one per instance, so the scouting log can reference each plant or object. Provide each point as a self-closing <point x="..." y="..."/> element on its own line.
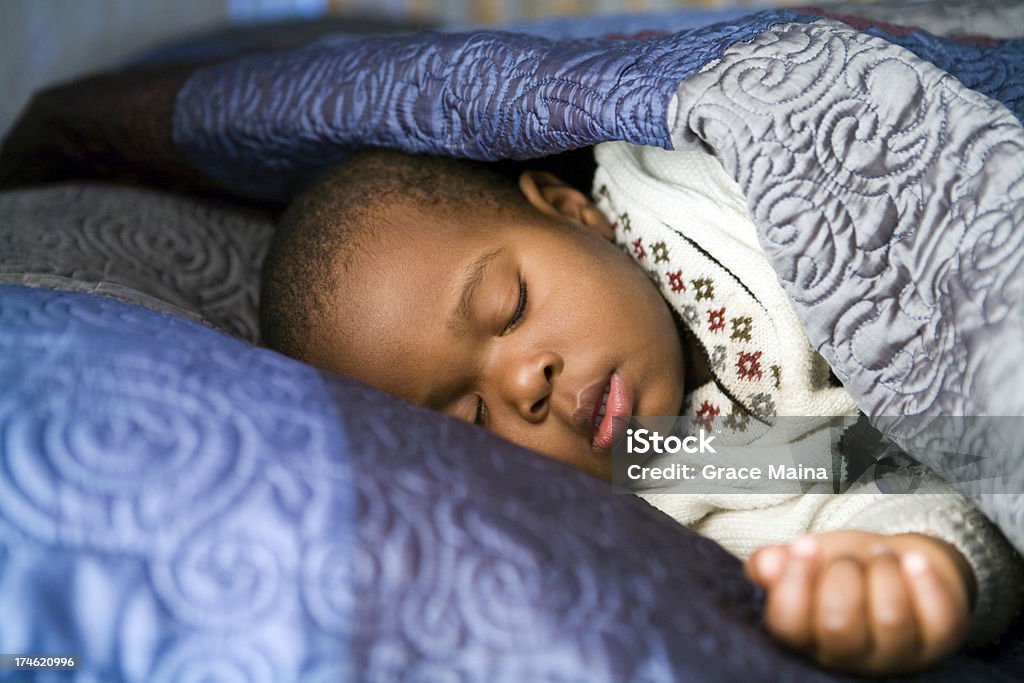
<point x="736" y="332"/>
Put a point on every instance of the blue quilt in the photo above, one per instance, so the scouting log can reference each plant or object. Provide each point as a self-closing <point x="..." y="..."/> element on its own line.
<point x="883" y="170"/>
<point x="176" y="504"/>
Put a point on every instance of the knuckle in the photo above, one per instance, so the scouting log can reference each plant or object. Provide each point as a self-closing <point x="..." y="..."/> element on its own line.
<point x="838" y="625"/>
<point x="892" y="617"/>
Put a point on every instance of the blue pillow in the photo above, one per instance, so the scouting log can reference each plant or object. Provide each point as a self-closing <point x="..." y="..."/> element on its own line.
<point x="176" y="503"/>
<point x="179" y="505"/>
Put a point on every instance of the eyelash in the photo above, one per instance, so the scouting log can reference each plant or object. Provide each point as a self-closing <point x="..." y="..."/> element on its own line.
<point x="480" y="418"/>
<point x="481" y="413"/>
<point x="517" y="317"/>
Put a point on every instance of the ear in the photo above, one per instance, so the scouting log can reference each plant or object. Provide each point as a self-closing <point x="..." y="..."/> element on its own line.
<point x="553" y="197"/>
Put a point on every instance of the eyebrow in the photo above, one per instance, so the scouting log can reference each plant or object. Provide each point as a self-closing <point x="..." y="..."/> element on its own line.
<point x="474" y="275"/>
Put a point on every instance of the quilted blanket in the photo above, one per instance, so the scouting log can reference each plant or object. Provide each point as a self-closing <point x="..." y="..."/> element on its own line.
<point x="884" y="170"/>
<point x="882" y="166"/>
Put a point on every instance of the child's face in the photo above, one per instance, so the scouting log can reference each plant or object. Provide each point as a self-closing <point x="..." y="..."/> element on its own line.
<point x="518" y="324"/>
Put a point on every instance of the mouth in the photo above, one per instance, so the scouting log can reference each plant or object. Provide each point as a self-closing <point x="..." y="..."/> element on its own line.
<point x="598" y="406"/>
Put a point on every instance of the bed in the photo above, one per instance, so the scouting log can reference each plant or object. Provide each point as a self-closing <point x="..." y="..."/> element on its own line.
<point x="177" y="503"/>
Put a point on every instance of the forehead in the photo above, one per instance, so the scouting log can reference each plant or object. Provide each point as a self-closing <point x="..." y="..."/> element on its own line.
<point x="418" y="248"/>
<point x="387" y="323"/>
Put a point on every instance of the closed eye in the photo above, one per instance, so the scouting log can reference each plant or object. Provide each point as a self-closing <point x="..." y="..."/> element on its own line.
<point x="480" y="418"/>
<point x="517" y="317"/>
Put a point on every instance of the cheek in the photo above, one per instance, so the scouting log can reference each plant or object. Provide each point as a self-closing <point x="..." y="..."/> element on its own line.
<point x="601" y="293"/>
<point x="637" y="300"/>
<point x="599" y="309"/>
<point x="573" y="451"/>
<point x="621" y="278"/>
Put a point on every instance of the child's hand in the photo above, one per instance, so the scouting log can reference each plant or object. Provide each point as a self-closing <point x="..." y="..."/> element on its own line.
<point x="866" y="603"/>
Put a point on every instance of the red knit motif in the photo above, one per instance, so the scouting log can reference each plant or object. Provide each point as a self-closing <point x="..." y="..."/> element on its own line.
<point x="706" y="415"/>
<point x="716" y="319"/>
<point x="675" y="281"/>
<point x="638" y="248"/>
<point x="749" y="365"/>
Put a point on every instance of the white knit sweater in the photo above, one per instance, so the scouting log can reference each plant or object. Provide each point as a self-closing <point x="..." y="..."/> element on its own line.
<point x="685" y="221"/>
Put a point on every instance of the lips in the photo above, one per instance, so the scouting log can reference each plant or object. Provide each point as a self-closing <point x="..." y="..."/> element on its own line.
<point x="618" y="403"/>
<point x="598" y="405"/>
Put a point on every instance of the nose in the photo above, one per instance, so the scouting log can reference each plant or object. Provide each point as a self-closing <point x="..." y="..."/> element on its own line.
<point x="528" y="384"/>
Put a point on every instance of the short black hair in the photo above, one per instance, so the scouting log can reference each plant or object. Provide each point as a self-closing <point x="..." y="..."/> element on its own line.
<point x="325" y="229"/>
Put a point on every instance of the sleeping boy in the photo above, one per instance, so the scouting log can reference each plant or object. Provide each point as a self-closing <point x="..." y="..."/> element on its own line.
<point x="510" y="306"/>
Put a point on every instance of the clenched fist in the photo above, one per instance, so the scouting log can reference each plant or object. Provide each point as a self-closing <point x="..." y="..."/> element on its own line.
<point x="866" y="603"/>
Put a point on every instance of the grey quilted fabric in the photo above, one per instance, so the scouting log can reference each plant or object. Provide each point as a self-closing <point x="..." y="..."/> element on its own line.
<point x="173" y="254"/>
<point x="890" y="200"/>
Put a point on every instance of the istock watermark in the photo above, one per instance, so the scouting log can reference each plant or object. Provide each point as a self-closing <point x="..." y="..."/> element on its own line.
<point x="645" y="441"/>
<point x="830" y="454"/>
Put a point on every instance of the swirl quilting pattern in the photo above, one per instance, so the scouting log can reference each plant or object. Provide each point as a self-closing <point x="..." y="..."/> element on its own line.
<point x="140" y="504"/>
<point x="261" y="125"/>
<point x="176" y="504"/>
<point x="889" y="198"/>
<point x="148" y="524"/>
<point x="172" y="253"/>
<point x="346" y="549"/>
<point x="993" y="68"/>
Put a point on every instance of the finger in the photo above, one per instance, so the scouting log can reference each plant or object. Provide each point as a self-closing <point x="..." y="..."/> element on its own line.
<point x="788" y="608"/>
<point x="860" y="545"/>
<point x="840" y="616"/>
<point x="766" y="565"/>
<point x="941" y="609"/>
<point x="892" y="621"/>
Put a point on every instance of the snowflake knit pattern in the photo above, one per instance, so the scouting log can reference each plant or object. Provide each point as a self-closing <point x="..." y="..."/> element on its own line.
<point x="727" y="320"/>
<point x="680" y="217"/>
